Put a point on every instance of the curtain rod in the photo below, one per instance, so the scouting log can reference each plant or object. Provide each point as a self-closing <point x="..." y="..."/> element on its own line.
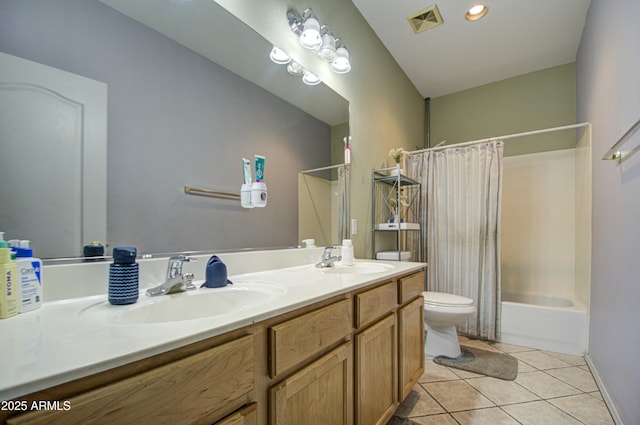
<point x="505" y="137"/>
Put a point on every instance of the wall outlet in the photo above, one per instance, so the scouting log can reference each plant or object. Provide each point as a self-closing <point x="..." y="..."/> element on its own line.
<point x="354" y="226"/>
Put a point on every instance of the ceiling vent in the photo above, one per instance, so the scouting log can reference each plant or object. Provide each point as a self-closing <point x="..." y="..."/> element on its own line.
<point x="425" y="19"/>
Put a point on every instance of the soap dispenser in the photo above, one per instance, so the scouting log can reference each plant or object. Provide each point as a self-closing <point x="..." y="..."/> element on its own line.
<point x="123" y="276"/>
<point x="347" y="253"/>
<point x="9" y="282"/>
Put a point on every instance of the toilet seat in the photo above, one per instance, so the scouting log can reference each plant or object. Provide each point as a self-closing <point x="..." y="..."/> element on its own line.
<point x="441" y="299"/>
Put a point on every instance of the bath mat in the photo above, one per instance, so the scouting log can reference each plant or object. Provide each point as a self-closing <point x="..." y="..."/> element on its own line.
<point x="489" y="363"/>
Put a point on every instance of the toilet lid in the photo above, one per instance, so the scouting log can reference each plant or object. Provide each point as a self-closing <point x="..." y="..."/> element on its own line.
<point x="444" y="299"/>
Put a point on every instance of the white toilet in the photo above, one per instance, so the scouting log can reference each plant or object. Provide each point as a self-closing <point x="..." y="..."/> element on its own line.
<point x="442" y="312"/>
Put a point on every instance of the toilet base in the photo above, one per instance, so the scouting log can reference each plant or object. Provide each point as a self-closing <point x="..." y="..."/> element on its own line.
<point x="441" y="341"/>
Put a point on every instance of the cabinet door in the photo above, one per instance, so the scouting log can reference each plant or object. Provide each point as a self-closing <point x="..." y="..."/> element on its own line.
<point x="377" y="373"/>
<point x="410" y="345"/>
<point x="321" y="393"/>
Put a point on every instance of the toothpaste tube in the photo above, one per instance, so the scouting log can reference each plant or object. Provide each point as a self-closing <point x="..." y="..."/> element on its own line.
<point x="259" y="164"/>
<point x="246" y="170"/>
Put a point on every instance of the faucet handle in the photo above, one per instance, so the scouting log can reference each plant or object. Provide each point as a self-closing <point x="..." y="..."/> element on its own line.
<point x="174" y="268"/>
<point x="187" y="278"/>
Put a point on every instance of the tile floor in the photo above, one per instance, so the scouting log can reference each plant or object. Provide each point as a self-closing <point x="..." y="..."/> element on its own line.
<point x="550" y="389"/>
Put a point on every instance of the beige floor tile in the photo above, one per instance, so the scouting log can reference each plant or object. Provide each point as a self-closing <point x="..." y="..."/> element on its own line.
<point x="539" y="413"/>
<point x="544" y="385"/>
<point x="576" y="377"/>
<point x="491" y="415"/>
<point x="572" y="360"/>
<point x="524" y="367"/>
<point x="597" y="395"/>
<point x="540" y="360"/>
<point x="434" y="372"/>
<point x="418" y="403"/>
<point x="444" y="419"/>
<point x="502" y="392"/>
<point x="457" y="395"/>
<point x="585" y="408"/>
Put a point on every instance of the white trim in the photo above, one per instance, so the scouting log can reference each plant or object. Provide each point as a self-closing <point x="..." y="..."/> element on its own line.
<point x="603" y="390"/>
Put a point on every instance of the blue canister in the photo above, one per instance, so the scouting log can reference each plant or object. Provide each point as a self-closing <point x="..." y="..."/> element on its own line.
<point x="123" y="276"/>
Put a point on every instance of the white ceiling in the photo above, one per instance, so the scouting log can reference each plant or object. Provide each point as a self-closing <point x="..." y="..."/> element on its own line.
<point x="516" y="37"/>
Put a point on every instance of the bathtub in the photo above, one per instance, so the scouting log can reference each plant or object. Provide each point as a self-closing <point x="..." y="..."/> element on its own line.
<point x="544" y="322"/>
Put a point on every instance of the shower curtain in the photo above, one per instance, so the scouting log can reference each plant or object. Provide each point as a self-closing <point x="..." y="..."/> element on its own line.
<point x="462" y="189"/>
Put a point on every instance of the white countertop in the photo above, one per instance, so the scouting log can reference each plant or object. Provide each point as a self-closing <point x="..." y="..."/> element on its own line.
<point x="58" y="343"/>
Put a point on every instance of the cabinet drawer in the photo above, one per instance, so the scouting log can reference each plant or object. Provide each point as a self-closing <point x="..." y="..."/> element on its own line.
<point x="410" y="287"/>
<point x="375" y="303"/>
<point x="294" y="341"/>
<point x="194" y="390"/>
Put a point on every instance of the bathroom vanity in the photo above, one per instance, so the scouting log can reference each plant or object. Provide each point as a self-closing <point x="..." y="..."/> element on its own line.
<point x="336" y="346"/>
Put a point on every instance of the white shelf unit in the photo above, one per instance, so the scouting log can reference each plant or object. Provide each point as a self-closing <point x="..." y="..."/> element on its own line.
<point x="389" y="193"/>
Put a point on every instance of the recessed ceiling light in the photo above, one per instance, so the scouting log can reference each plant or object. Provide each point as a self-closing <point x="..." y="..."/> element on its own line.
<point x="476" y="12"/>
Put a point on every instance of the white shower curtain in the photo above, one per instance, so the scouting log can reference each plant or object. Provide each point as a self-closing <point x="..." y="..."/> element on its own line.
<point x="462" y="189"/>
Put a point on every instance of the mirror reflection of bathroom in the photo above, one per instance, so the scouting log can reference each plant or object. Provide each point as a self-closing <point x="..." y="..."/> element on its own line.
<point x="323" y="195"/>
<point x="323" y="205"/>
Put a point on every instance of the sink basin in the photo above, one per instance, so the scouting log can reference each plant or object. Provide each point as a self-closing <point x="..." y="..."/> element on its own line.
<point x="196" y="304"/>
<point x="359" y="267"/>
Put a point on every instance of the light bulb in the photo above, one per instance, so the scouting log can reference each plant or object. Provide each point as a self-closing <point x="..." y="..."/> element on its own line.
<point x="327" y="51"/>
<point x="310" y="37"/>
<point x="311" y="79"/>
<point x="279" y="56"/>
<point x="294" y="68"/>
<point x="341" y="64"/>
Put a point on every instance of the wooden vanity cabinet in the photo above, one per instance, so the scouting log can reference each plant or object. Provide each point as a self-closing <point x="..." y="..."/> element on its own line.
<point x="348" y="359"/>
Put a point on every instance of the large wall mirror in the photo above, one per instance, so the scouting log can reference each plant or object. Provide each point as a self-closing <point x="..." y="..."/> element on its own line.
<point x="190" y="91"/>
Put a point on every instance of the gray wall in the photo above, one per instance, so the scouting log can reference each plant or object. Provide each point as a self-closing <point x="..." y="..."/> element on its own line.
<point x="607" y="70"/>
<point x="175" y="119"/>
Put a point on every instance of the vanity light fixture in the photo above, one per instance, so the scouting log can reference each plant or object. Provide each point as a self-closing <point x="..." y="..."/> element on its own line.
<point x="279" y="56"/>
<point x="476" y="12"/>
<point x="319" y="38"/>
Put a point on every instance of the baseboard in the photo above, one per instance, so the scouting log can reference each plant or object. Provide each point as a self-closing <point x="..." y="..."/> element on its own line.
<point x="605" y="395"/>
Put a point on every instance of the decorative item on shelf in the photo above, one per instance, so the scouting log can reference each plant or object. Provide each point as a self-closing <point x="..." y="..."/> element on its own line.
<point x="396" y="210"/>
<point x="397" y="154"/>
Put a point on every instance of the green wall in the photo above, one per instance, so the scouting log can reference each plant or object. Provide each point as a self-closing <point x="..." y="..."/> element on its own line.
<point x="528" y="102"/>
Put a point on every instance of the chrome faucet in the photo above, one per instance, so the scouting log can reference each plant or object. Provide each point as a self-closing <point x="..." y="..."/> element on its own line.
<point x="176" y="281"/>
<point x="327" y="259"/>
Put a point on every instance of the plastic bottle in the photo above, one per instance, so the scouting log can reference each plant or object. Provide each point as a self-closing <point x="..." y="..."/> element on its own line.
<point x="8" y="283"/>
<point x="347" y="253"/>
<point x="123" y="276"/>
<point x="30" y="274"/>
